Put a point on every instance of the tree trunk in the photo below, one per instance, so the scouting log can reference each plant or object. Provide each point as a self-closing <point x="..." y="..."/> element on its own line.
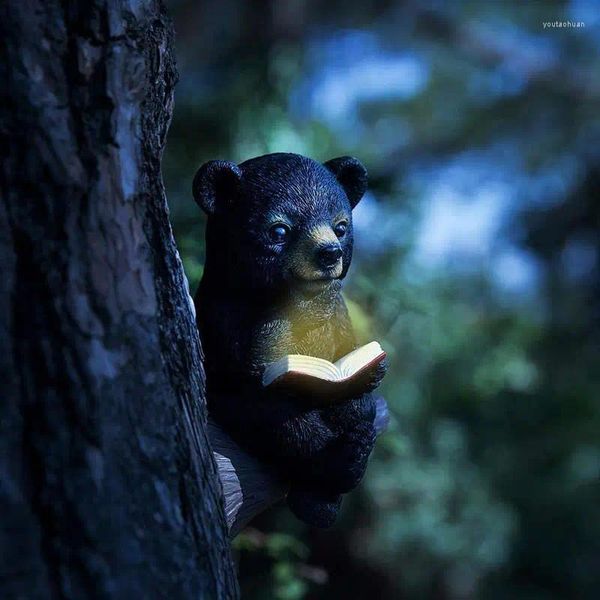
<point x="107" y="483"/>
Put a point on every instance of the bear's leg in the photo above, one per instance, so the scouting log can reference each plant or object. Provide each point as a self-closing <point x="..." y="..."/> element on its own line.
<point x="318" y="481"/>
<point x="337" y="469"/>
<point x="342" y="465"/>
<point x="318" y="508"/>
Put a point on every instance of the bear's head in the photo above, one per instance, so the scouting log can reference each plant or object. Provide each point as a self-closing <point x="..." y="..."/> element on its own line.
<point x="281" y="220"/>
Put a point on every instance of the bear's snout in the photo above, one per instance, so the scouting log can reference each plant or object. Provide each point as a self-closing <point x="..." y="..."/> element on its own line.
<point x="328" y="255"/>
<point x="317" y="256"/>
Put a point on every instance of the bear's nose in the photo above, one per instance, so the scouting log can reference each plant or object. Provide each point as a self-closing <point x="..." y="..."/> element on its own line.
<point x="328" y="255"/>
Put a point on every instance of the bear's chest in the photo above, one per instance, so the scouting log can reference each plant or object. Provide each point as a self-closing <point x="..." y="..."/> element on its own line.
<point x="316" y="341"/>
<point x="281" y="337"/>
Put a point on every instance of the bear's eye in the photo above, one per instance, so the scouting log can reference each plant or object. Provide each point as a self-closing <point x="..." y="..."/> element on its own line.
<point x="340" y="229"/>
<point x="279" y="233"/>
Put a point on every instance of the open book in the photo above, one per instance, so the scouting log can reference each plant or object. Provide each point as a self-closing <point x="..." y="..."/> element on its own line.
<point x="350" y="375"/>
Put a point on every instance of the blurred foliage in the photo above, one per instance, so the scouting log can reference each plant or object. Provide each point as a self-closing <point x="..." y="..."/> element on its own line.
<point x="275" y="562"/>
<point x="476" y="265"/>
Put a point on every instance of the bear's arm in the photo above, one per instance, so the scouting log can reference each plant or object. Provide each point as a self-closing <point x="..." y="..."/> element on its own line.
<point x="271" y="424"/>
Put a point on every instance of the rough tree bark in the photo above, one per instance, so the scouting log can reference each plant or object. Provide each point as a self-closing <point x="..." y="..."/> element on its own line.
<point x="107" y="485"/>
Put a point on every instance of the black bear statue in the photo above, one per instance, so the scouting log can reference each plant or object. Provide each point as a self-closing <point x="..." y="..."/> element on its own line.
<point x="278" y="245"/>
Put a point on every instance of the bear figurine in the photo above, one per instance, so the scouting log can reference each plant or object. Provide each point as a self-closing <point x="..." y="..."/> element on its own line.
<point x="278" y="245"/>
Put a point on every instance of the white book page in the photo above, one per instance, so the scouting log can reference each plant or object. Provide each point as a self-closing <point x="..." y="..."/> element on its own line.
<point x="355" y="360"/>
<point x="309" y="365"/>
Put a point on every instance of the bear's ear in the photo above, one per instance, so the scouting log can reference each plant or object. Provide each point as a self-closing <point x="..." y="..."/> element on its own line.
<point x="215" y="183"/>
<point x="351" y="175"/>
